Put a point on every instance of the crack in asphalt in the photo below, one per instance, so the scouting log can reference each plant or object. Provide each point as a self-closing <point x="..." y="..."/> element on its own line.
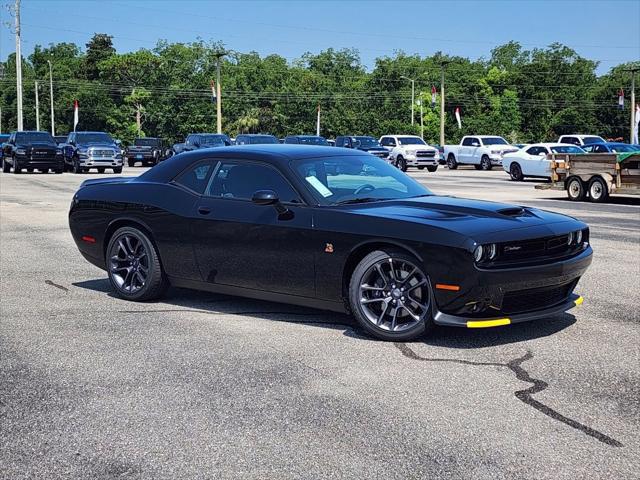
<point x="525" y="396"/>
<point x="49" y="282"/>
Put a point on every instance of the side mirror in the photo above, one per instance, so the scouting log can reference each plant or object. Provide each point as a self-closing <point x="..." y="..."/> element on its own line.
<point x="265" y="197"/>
<point x="475" y="144"/>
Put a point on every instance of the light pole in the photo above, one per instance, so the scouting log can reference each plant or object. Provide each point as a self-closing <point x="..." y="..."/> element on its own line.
<point x="53" y="122"/>
<point x="421" y="117"/>
<point x="219" y="56"/>
<point x="18" y="66"/>
<point x="37" y="108"/>
<point x="442" y="65"/>
<point x="413" y="94"/>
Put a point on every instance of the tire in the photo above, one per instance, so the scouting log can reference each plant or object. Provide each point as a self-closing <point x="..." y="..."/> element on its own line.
<point x="44" y="170"/>
<point x="401" y="163"/>
<point x="394" y="323"/>
<point x="76" y="166"/>
<point x="420" y="168"/>
<point x="6" y="168"/>
<point x="131" y="163"/>
<point x="58" y="171"/>
<point x="29" y="170"/>
<point x="134" y="267"/>
<point x="575" y="189"/>
<point x="485" y="163"/>
<point x="100" y="169"/>
<point x="16" y="168"/>
<point x="117" y="170"/>
<point x="516" y="172"/>
<point x="432" y="168"/>
<point x="477" y="167"/>
<point x="451" y="162"/>
<point x="598" y="190"/>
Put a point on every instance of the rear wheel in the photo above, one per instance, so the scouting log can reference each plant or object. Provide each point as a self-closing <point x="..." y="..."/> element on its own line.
<point x="485" y="163"/>
<point x="390" y="296"/>
<point x="432" y="168"/>
<point x="401" y="163"/>
<point x="598" y="190"/>
<point x="134" y="267"/>
<point x="575" y="189"/>
<point x="516" y="172"/>
<point x="452" y="164"/>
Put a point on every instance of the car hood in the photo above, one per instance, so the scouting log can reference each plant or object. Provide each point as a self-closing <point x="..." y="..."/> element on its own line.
<point x="503" y="148"/>
<point x="480" y="220"/>
<point x="37" y="145"/>
<point x="415" y="148"/>
<point x="97" y="144"/>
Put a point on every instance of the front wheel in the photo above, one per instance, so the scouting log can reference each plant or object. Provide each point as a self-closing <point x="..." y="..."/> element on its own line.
<point x="16" y="168"/>
<point x="390" y="296"/>
<point x="516" y="172"/>
<point x="76" y="166"/>
<point x="131" y="163"/>
<point x="432" y="168"/>
<point x="485" y="163"/>
<point x="401" y="163"/>
<point x="134" y="267"/>
<point x="420" y="168"/>
<point x="117" y="170"/>
<point x="6" y="168"/>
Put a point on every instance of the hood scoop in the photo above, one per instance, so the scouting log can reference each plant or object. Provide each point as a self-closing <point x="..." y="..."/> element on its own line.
<point x="512" y="211"/>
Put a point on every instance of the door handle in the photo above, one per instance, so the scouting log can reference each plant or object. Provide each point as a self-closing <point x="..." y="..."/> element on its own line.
<point x="204" y="210"/>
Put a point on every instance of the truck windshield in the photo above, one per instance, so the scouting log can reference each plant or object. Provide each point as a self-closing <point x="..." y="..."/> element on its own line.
<point x="33" y="137"/>
<point x="93" y="138"/>
<point x="146" y="142"/>
<point x="260" y="139"/>
<point x="411" y="141"/>
<point x="212" y="139"/>
<point x="367" y="142"/>
<point x="494" y="141"/>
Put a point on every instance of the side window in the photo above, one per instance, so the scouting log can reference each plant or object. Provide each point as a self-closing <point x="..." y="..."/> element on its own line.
<point x="467" y="142"/>
<point x="196" y="177"/>
<point x="572" y="140"/>
<point x="241" y="140"/>
<point x="388" y="142"/>
<point x="600" y="149"/>
<point x="588" y="148"/>
<point x="240" y="180"/>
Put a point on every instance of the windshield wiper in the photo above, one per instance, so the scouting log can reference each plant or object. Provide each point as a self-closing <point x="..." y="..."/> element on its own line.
<point x="359" y="200"/>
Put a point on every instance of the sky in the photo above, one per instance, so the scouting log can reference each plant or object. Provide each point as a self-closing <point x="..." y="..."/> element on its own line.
<point x="606" y="31"/>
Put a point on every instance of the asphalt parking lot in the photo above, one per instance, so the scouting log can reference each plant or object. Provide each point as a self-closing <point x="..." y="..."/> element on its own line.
<point x="208" y="386"/>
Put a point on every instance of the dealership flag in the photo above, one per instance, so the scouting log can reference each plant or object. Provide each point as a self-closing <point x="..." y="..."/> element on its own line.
<point x="637" y="119"/>
<point x="433" y="96"/>
<point x="621" y="99"/>
<point x="213" y="91"/>
<point x="458" y="117"/>
<point x="75" y="114"/>
<point x="318" y="122"/>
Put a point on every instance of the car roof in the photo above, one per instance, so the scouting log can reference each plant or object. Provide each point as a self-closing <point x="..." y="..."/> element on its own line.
<point x="88" y="131"/>
<point x="279" y="154"/>
<point x="301" y="136"/>
<point x="551" y="144"/>
<point x="258" y="135"/>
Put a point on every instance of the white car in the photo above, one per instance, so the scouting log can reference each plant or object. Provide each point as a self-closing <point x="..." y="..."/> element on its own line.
<point x="580" y="140"/>
<point x="482" y="151"/>
<point x="531" y="161"/>
<point x="410" y="151"/>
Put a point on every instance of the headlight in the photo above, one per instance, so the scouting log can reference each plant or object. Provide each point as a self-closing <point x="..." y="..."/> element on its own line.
<point x="570" y="238"/>
<point x="483" y="253"/>
<point x="496" y="152"/>
<point x="492" y="251"/>
<point x="477" y="254"/>
<point x="579" y="237"/>
<point x="20" y="151"/>
<point x="58" y="151"/>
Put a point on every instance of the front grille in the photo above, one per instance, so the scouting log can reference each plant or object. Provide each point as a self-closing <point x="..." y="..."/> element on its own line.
<point x="555" y="246"/>
<point x="425" y="153"/>
<point x="102" y="153"/>
<point x="381" y="154"/>
<point x="42" y="153"/>
<point x="521" y="301"/>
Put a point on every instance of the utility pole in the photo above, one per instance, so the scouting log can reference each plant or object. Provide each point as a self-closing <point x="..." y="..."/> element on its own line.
<point x="442" y="65"/>
<point x="413" y="94"/>
<point x="219" y="56"/>
<point x="53" y="122"/>
<point x="37" y="109"/>
<point x="18" y="66"/>
<point x="420" y="102"/>
<point x="633" y="104"/>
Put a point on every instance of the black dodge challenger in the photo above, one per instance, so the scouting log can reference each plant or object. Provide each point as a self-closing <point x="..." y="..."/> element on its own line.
<point x="329" y="228"/>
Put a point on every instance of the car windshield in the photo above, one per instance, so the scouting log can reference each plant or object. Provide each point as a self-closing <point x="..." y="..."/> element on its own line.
<point x="33" y="137"/>
<point x="411" y="141"/>
<point x="494" y="141"/>
<point x="313" y="141"/>
<point x="212" y="139"/>
<point x="366" y="142"/>
<point x="586" y="140"/>
<point x="566" y="149"/>
<point x="260" y="139"/>
<point x="621" y="147"/>
<point x="146" y="142"/>
<point x="355" y="179"/>
<point x="93" y="138"/>
<point x="4" y="138"/>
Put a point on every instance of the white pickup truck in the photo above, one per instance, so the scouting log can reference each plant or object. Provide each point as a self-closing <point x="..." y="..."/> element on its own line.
<point x="482" y="151"/>
<point x="410" y="151"/>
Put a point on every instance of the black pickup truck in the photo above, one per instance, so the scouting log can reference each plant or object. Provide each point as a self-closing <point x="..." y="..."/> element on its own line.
<point x="31" y="151"/>
<point x="196" y="141"/>
<point x="147" y="151"/>
<point x="364" y="143"/>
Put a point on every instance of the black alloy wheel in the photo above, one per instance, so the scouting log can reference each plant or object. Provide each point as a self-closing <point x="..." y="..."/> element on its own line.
<point x="6" y="168"/>
<point x="134" y="266"/>
<point x="516" y="172"/>
<point x="485" y="163"/>
<point x="390" y="296"/>
<point x="451" y="162"/>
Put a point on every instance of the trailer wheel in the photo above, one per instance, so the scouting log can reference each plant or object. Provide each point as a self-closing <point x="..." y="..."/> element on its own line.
<point x="575" y="189"/>
<point x="598" y="191"/>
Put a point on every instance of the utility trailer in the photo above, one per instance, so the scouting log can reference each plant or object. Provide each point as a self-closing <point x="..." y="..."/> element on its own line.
<point x="594" y="175"/>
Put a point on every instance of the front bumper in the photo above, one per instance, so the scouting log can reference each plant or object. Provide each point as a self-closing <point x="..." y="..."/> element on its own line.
<point x="444" y="319"/>
<point x="26" y="161"/>
<point x="414" y="161"/>
<point x="89" y="162"/>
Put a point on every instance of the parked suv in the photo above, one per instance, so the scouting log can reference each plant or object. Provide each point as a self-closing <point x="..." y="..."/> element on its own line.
<point x="306" y="140"/>
<point x="255" y="139"/>
<point x="410" y="151"/>
<point x="366" y="144"/>
<point x="86" y="150"/>
<point x="31" y="151"/>
<point x="196" y="141"/>
<point x="147" y="151"/>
